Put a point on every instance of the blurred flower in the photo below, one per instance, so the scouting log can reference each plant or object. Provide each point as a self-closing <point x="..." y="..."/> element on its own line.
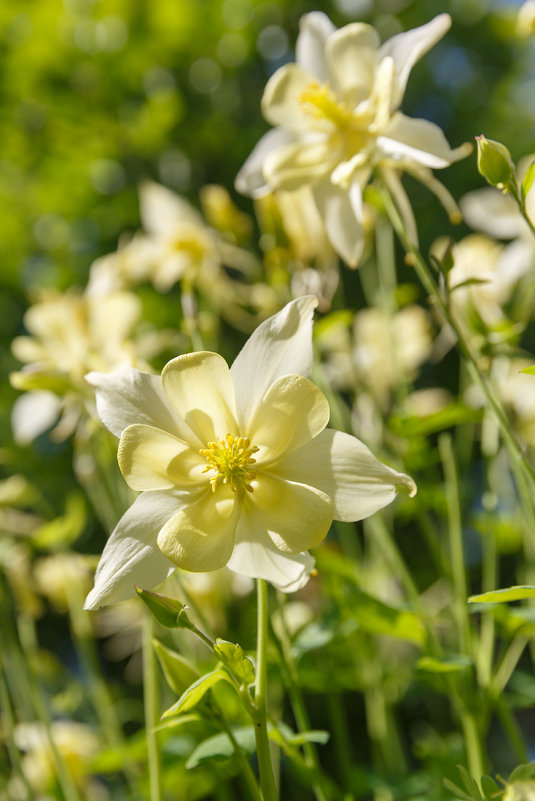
<point x="336" y="116"/>
<point x="235" y="466"/>
<point x="75" y="743"/>
<point x="71" y="334"/>
<point x="525" y="22"/>
<point x="177" y="246"/>
<point x="62" y="577"/>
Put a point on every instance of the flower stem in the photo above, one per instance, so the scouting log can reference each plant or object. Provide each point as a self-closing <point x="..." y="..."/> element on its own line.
<point x="150" y="695"/>
<point x="267" y="781"/>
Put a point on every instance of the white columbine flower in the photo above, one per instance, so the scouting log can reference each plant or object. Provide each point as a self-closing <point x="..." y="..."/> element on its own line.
<point x="235" y="466"/>
<point x="336" y="112"/>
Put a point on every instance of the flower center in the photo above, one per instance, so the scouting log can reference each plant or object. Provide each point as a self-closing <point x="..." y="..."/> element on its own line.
<point x="231" y="459"/>
<point x="321" y="103"/>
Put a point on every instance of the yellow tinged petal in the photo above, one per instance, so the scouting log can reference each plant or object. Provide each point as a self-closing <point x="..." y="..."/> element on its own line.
<point x="200" y="537"/>
<point x="292" y="412"/>
<point x="200" y="389"/>
<point x="295" y="517"/>
<point x="152" y="459"/>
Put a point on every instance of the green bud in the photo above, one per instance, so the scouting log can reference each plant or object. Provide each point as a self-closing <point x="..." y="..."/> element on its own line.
<point x="494" y="162"/>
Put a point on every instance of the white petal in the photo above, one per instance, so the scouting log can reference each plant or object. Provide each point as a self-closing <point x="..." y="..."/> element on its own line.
<point x="408" y="47"/>
<point x="200" y="536"/>
<point x="281" y="99"/>
<point x="255" y="556"/>
<point x="199" y="387"/>
<point x="351" y="53"/>
<point x="345" y="469"/>
<point x="162" y="210"/>
<point x="152" y="459"/>
<point x="344" y="228"/>
<point x="130" y="396"/>
<point x="32" y="414"/>
<point x="131" y="555"/>
<point x="300" y="163"/>
<point x="250" y="179"/>
<point x="314" y="31"/>
<point x="417" y="140"/>
<point x="495" y="214"/>
<point x="281" y="345"/>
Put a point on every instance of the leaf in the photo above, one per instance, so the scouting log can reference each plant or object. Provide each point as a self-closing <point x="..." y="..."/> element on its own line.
<point x="179" y="672"/>
<point x="63" y="530"/>
<point x="470" y="282"/>
<point x="515" y="593"/>
<point x="451" y="664"/>
<point x="220" y="746"/>
<point x="232" y="655"/>
<point x="167" y="611"/>
<point x="529" y="370"/>
<point x="528" y="180"/>
<point x="489" y="787"/>
<point x="319" y="736"/>
<point x="191" y="697"/>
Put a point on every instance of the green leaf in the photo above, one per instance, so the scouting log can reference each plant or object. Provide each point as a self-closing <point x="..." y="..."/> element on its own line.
<point x="528" y="180"/>
<point x="191" y="697"/>
<point x="232" y="655"/>
<point x="179" y="672"/>
<point x="489" y="787"/>
<point x="167" y="611"/>
<point x="529" y="370"/>
<point x="516" y="593"/>
<point x="319" y="736"/>
<point x="451" y="664"/>
<point x="220" y="746"/>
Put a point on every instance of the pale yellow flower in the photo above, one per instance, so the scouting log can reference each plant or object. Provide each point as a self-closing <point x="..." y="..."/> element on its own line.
<point x="235" y="466"/>
<point x="336" y="117"/>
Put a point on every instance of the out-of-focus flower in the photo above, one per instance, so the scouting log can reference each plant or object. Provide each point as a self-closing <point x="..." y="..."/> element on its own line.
<point x="76" y="745"/>
<point x="336" y="117"/>
<point x="490" y="211"/>
<point x="177" y="246"/>
<point x="62" y="578"/>
<point x="525" y="22"/>
<point x="235" y="466"/>
<point x="71" y="334"/>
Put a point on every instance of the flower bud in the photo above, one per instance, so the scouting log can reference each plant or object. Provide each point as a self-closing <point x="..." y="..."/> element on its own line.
<point x="494" y="162"/>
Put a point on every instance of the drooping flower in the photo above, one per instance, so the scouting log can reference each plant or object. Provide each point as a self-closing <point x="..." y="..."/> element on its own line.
<point x="235" y="466"/>
<point x="336" y="117"/>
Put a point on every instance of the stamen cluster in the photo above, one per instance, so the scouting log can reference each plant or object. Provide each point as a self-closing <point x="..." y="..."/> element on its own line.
<point x="230" y="458"/>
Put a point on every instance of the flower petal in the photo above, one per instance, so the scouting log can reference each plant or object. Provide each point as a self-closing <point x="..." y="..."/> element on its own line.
<point x="342" y="467"/>
<point x="281" y="345"/>
<point x="297" y="164"/>
<point x="351" y="54"/>
<point x="295" y="516"/>
<point x="162" y="210"/>
<point x="490" y="211"/>
<point x="281" y="99"/>
<point x="314" y="31"/>
<point x="344" y="229"/>
<point x="152" y="459"/>
<point x="255" y="556"/>
<point x="250" y="179"/>
<point x="32" y="414"/>
<point x="408" y="47"/>
<point x="417" y="140"/>
<point x="200" y="537"/>
<point x="131" y="555"/>
<point x="292" y="412"/>
<point x="130" y="396"/>
<point x="199" y="387"/>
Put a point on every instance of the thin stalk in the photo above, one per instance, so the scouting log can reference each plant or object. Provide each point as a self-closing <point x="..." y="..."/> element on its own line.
<point x="150" y="697"/>
<point x="246" y="770"/>
<point x="426" y="277"/>
<point x="8" y="727"/>
<point x="267" y="780"/>
<point x="473" y="745"/>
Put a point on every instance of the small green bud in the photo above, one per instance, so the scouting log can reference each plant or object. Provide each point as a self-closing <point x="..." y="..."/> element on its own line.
<point x="494" y="162"/>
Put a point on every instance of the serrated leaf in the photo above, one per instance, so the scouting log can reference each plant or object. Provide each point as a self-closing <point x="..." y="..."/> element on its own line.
<point x="470" y="784"/>
<point x="191" y="697"/>
<point x="528" y="180"/>
<point x="220" y="746"/>
<point x="179" y="672"/>
<point x="515" y="593"/>
<point x="451" y="664"/>
<point x="167" y="611"/>
<point x="232" y="655"/>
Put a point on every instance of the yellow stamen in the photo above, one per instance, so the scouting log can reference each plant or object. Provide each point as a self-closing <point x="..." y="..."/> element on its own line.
<point x="321" y="103"/>
<point x="231" y="459"/>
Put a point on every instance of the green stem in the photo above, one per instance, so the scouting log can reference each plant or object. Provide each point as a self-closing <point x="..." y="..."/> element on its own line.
<point x="246" y="770"/>
<point x="267" y="780"/>
<point x="426" y="277"/>
<point x="150" y="697"/>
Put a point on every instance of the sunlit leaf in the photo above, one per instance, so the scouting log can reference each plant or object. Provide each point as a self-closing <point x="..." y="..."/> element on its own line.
<point x="516" y="593"/>
<point x="233" y="657"/>
<point x="220" y="746"/>
<point x="191" y="697"/>
<point x="179" y="671"/>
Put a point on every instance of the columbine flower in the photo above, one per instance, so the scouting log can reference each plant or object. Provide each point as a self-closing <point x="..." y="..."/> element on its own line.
<point x="235" y="465"/>
<point x="336" y="117"/>
<point x="70" y="334"/>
